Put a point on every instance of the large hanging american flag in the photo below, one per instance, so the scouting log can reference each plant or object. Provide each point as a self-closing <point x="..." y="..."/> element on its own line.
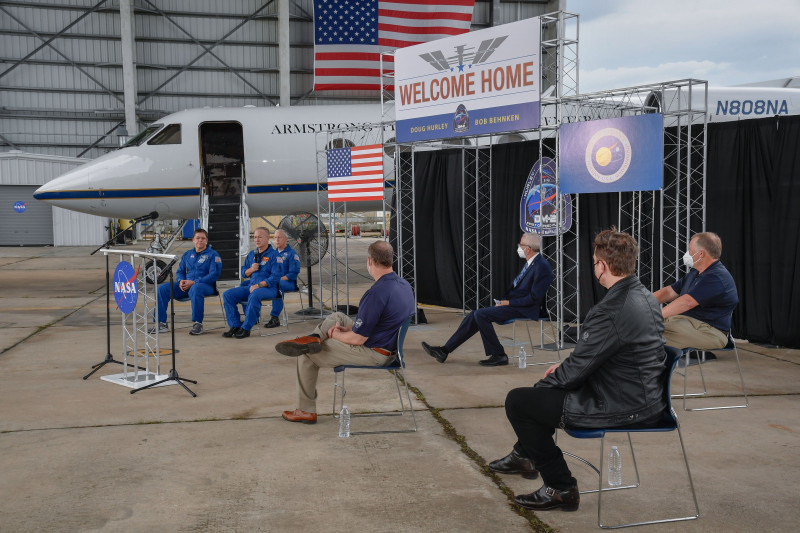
<point x="355" y="174"/>
<point x="350" y="34"/>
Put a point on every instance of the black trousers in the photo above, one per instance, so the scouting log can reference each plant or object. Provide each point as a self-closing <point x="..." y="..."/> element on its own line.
<point x="535" y="413"/>
<point x="481" y="321"/>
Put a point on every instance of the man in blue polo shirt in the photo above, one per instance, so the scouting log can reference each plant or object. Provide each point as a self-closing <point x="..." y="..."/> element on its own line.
<point x="197" y="274"/>
<point x="699" y="305"/>
<point x="338" y="340"/>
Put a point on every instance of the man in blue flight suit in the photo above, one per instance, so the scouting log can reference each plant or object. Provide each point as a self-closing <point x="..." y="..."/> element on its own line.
<point x="288" y="262"/>
<point x="260" y="266"/>
<point x="197" y="274"/>
<point x="524" y="300"/>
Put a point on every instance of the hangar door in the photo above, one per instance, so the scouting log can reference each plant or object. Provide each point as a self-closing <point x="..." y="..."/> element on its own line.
<point x="23" y="220"/>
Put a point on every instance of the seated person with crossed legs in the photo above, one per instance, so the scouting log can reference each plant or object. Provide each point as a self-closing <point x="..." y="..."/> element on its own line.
<point x="699" y="305"/>
<point x="288" y="263"/>
<point x="197" y="273"/>
<point x="338" y="340"/>
<point x="613" y="378"/>
<point x="260" y="266"/>
<point x="524" y="299"/>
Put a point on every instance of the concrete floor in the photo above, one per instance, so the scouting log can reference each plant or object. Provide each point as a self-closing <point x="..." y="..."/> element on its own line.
<point x="81" y="455"/>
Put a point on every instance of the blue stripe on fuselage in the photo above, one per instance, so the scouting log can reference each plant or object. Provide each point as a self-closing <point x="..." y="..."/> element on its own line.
<point x="172" y="193"/>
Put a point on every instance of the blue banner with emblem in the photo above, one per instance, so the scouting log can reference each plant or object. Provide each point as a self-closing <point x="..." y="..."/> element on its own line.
<point x="612" y="155"/>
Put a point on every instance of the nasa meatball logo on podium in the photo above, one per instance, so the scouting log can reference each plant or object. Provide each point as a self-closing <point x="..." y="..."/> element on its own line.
<point x="125" y="290"/>
<point x="612" y="155"/>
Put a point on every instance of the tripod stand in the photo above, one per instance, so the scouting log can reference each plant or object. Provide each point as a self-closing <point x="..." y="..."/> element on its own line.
<point x="173" y="373"/>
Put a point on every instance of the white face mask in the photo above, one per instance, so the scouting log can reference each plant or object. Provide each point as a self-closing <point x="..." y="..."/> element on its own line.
<point x="520" y="252"/>
<point x="688" y="260"/>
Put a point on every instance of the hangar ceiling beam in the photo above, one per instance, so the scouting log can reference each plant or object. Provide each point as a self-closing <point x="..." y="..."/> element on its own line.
<point x="207" y="50"/>
<point x="99" y="139"/>
<point x="57" y="51"/>
<point x="52" y="38"/>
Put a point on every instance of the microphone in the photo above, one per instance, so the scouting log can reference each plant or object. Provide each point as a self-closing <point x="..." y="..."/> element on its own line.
<point x="152" y="216"/>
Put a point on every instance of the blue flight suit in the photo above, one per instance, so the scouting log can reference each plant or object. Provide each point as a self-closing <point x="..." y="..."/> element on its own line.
<point x="268" y="272"/>
<point x="288" y="262"/>
<point x="203" y="268"/>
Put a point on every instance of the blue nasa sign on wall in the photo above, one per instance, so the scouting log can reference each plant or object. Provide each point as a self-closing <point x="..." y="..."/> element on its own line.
<point x="125" y="290"/>
<point x="20" y="207"/>
<point x="612" y="155"/>
<point x="539" y="206"/>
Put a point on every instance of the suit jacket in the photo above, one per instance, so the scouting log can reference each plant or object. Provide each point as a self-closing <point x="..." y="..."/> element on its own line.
<point x="529" y="294"/>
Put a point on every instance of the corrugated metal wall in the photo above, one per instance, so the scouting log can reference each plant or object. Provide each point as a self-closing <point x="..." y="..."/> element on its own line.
<point x="65" y="97"/>
<point x="20" y="175"/>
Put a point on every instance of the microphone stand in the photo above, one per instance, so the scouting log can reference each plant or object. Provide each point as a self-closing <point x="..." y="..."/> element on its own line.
<point x="109" y="357"/>
<point x="173" y="373"/>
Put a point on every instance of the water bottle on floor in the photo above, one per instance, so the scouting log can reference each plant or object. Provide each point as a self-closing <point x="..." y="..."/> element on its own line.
<point x="344" y="422"/>
<point x="523" y="357"/>
<point x="614" y="467"/>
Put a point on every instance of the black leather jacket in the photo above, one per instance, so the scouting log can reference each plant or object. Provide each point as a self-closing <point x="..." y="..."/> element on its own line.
<point x="615" y="375"/>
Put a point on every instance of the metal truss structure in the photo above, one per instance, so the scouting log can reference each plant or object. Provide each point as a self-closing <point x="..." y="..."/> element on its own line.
<point x="661" y="221"/>
<point x="334" y="270"/>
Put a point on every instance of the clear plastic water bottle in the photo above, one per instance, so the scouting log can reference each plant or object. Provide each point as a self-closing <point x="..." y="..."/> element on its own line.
<point x="344" y="422"/>
<point x="523" y="357"/>
<point x="614" y="467"/>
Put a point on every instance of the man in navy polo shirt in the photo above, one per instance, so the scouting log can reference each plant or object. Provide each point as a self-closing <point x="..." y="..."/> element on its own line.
<point x="699" y="305"/>
<point x="338" y="340"/>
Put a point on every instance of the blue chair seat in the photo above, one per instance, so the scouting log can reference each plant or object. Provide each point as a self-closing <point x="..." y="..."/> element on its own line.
<point x="668" y="422"/>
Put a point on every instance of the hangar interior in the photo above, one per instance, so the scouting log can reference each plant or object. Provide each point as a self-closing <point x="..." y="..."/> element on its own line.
<point x="77" y="77"/>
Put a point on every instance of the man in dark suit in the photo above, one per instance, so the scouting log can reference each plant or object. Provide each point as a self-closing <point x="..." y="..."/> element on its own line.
<point x="524" y="299"/>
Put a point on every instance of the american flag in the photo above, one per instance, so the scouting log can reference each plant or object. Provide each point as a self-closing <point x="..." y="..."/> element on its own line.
<point x="350" y="34"/>
<point x="355" y="174"/>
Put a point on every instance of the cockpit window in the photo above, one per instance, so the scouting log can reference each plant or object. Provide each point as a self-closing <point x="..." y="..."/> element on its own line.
<point x="143" y="136"/>
<point x="169" y="135"/>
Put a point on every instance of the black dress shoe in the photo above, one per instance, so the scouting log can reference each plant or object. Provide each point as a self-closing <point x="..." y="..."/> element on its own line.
<point x="547" y="498"/>
<point x="242" y="334"/>
<point x="435" y="351"/>
<point x="231" y="332"/>
<point x="495" y="360"/>
<point x="514" y="463"/>
<point x="274" y="322"/>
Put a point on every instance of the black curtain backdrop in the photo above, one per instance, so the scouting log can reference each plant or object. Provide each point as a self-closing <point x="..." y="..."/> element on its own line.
<point x="752" y="193"/>
<point x="438" y="203"/>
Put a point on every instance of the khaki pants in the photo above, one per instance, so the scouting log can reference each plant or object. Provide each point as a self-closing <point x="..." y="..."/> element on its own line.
<point x="334" y="353"/>
<point x="682" y="331"/>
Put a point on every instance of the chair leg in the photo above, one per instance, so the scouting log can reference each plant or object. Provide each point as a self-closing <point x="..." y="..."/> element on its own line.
<point x="338" y="390"/>
<point x="700" y="366"/>
<point x="642" y="523"/>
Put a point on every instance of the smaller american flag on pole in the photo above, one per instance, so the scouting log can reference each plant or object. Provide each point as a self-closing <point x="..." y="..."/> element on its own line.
<point x="355" y="174"/>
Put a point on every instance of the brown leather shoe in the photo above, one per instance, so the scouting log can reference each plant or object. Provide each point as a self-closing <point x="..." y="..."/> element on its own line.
<point x="514" y="463"/>
<point x="547" y="498"/>
<point x="299" y="346"/>
<point x="300" y="416"/>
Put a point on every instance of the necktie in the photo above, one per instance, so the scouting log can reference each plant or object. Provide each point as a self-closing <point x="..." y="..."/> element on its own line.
<point x="519" y="277"/>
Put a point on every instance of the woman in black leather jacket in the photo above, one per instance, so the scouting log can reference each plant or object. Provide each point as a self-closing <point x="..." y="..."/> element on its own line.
<point x="613" y="378"/>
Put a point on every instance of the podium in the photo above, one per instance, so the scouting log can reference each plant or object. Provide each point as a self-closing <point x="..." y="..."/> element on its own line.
<point x="137" y="302"/>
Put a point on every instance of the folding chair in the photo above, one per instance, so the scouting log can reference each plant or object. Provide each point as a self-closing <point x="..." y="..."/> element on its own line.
<point x="215" y="293"/>
<point x="543" y="315"/>
<point x="731" y="346"/>
<point x="284" y="318"/>
<point x="668" y="422"/>
<point x="395" y="367"/>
